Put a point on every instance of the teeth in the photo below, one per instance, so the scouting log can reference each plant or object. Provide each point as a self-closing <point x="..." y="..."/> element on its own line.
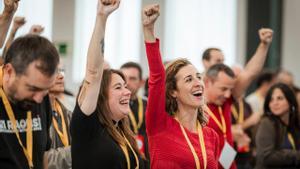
<point x="197" y="93"/>
<point x="124" y="101"/>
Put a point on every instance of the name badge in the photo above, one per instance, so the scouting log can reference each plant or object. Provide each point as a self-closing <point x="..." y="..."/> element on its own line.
<point x="227" y="155"/>
<point x="140" y="143"/>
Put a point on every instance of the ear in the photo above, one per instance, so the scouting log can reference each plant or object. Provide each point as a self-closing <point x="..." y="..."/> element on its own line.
<point x="205" y="63"/>
<point x="8" y="71"/>
<point x="174" y="94"/>
<point x="142" y="83"/>
<point x="208" y="82"/>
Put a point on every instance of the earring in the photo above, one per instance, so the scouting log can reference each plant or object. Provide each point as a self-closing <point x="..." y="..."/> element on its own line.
<point x="293" y="108"/>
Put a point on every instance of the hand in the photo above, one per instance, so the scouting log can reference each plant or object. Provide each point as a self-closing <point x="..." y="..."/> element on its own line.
<point x="10" y="6"/>
<point x="265" y="35"/>
<point x="18" y="22"/>
<point x="149" y="15"/>
<point x="237" y="131"/>
<point x="36" y="29"/>
<point x="106" y="7"/>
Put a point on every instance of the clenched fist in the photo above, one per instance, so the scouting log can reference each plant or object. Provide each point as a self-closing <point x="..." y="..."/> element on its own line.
<point x="36" y="29"/>
<point x="106" y="7"/>
<point x="265" y="35"/>
<point x="10" y="6"/>
<point x="149" y="15"/>
<point x="18" y="22"/>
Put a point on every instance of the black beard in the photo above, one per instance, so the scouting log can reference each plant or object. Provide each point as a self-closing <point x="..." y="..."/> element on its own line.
<point x="23" y="104"/>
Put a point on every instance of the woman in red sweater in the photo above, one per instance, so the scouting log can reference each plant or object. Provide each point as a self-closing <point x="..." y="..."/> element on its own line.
<point x="175" y="122"/>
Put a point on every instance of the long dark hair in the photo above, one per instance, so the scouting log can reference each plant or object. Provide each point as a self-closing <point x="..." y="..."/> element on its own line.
<point x="104" y="112"/>
<point x="293" y="126"/>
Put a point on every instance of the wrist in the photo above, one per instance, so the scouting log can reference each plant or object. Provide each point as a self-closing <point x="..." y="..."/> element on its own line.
<point x="149" y="36"/>
<point x="264" y="44"/>
<point x="7" y="15"/>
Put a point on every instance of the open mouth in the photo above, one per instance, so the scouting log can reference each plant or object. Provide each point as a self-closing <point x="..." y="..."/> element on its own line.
<point x="124" y="102"/>
<point x="198" y="93"/>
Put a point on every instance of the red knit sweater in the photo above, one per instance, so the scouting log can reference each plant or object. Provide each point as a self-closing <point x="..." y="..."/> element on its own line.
<point x="167" y="145"/>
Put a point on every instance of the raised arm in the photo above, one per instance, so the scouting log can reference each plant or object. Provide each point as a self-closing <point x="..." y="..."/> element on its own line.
<point x="17" y="24"/>
<point x="149" y="16"/>
<point x="89" y="92"/>
<point x="10" y="7"/>
<point x="155" y="114"/>
<point x="256" y="63"/>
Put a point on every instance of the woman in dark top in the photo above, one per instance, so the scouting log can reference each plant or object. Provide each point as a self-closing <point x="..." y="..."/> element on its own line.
<point x="101" y="137"/>
<point x="278" y="135"/>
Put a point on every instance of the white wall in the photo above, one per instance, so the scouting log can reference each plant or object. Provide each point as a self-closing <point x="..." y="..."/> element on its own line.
<point x="192" y="27"/>
<point x="63" y="32"/>
<point x="122" y="37"/>
<point x="291" y="38"/>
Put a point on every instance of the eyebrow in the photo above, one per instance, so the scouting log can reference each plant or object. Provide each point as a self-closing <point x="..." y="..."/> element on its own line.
<point x="188" y="76"/>
<point x="36" y="88"/>
<point x="119" y="84"/>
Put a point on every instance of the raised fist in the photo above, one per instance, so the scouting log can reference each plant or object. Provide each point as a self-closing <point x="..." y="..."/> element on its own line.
<point x="10" y="5"/>
<point x="19" y="21"/>
<point x="149" y="15"/>
<point x="106" y="7"/>
<point x="265" y="35"/>
<point x="36" y="29"/>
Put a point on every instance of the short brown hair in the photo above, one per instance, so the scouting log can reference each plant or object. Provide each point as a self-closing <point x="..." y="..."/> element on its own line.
<point x="27" y="49"/>
<point x="213" y="72"/>
<point x="206" y="54"/>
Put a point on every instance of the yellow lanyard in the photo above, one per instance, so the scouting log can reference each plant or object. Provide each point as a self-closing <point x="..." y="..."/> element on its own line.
<point x="138" y="125"/>
<point x="222" y="125"/>
<point x="239" y="117"/>
<point x="291" y="140"/>
<point x="125" y="151"/>
<point x="202" y="145"/>
<point x="62" y="134"/>
<point x="29" y="142"/>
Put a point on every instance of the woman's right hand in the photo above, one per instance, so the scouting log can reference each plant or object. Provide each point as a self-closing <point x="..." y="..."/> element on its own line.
<point x="106" y="7"/>
<point x="150" y="14"/>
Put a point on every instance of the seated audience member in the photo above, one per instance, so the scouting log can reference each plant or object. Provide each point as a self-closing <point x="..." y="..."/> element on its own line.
<point x="278" y="135"/>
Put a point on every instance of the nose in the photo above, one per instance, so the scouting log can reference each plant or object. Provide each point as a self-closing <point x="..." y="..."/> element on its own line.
<point x="199" y="82"/>
<point x="127" y="92"/>
<point x="39" y="96"/>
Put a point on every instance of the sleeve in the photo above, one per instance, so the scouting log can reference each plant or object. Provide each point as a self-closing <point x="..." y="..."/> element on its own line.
<point x="155" y="113"/>
<point x="83" y="126"/>
<point x="60" y="158"/>
<point x="268" y="153"/>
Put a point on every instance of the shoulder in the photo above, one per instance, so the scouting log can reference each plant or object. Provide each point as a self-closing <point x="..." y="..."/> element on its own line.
<point x="266" y="126"/>
<point x="266" y="121"/>
<point x="251" y="97"/>
<point x="210" y="133"/>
